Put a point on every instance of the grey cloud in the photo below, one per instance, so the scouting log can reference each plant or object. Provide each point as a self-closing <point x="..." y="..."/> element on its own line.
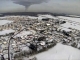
<point x="55" y="6"/>
<point x="58" y="6"/>
<point x="28" y="3"/>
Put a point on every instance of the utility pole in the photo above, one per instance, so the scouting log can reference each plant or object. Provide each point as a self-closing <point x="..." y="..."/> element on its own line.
<point x="9" y="48"/>
<point x="9" y="57"/>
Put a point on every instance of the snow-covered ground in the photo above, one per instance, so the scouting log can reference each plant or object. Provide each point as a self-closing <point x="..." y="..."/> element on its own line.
<point x="47" y="16"/>
<point x="40" y="17"/>
<point x="70" y="18"/>
<point x="73" y="23"/>
<point x="60" y="52"/>
<point x="2" y="22"/>
<point x="32" y="17"/>
<point x="4" y="32"/>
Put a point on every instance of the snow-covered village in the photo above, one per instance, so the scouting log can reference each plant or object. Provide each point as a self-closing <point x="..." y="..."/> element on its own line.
<point x="41" y="37"/>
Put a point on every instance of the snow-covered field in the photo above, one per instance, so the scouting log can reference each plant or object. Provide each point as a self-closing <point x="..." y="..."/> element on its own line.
<point x="70" y="18"/>
<point x="73" y="23"/>
<point x="2" y="22"/>
<point x="47" y="16"/>
<point x="4" y="32"/>
<point x="60" y="52"/>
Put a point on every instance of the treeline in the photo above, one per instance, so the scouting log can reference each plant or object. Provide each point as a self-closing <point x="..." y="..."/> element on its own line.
<point x="33" y="13"/>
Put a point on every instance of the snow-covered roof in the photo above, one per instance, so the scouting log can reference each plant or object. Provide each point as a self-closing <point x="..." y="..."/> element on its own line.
<point x="25" y="48"/>
<point x="48" y="24"/>
<point x="60" y="52"/>
<point x="42" y="42"/>
<point x="4" y="32"/>
<point x="65" y="29"/>
<point x="2" y="22"/>
<point x="23" y="34"/>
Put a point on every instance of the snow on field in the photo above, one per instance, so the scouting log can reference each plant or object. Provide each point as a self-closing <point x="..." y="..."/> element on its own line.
<point x="71" y="25"/>
<point x="2" y="22"/>
<point x="4" y="32"/>
<point x="60" y="52"/>
<point x="70" y="18"/>
<point x="32" y="17"/>
<point x="46" y="16"/>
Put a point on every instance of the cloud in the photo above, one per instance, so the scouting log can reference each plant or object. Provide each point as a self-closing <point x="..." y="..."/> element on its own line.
<point x="57" y="6"/>
<point x="28" y="3"/>
<point x="9" y="6"/>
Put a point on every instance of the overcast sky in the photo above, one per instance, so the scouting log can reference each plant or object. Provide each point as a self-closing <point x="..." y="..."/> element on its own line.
<point x="55" y="6"/>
